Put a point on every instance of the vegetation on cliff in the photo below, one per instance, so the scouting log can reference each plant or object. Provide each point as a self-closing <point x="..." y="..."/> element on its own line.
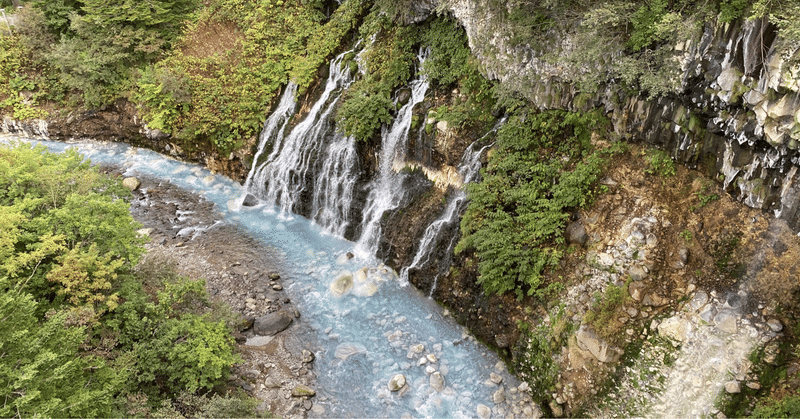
<point x="90" y="328"/>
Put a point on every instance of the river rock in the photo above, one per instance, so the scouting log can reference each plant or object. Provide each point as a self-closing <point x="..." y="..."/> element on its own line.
<point x="250" y="200"/>
<point x="588" y="340"/>
<point x="397" y="382"/>
<point x="303" y="391"/>
<point x="499" y="396"/>
<point x="131" y="183"/>
<point x="272" y="323"/>
<point x="308" y="356"/>
<point x="496" y="378"/>
<point x="437" y="381"/>
<point x="346" y="350"/>
<point x="342" y="285"/>
<point x="484" y="412"/>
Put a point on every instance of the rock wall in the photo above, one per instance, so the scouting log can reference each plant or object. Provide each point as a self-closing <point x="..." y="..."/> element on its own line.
<point x="737" y="115"/>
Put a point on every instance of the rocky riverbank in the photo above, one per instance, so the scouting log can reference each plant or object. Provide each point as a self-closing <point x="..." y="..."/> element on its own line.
<point x="277" y="366"/>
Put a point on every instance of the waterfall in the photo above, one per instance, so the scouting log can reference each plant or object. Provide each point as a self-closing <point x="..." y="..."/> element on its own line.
<point x="273" y="128"/>
<point x="386" y="192"/>
<point x="287" y="177"/>
<point x="469" y="170"/>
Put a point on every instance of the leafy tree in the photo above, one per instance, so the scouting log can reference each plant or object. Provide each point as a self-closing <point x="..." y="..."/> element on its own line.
<point x="42" y="372"/>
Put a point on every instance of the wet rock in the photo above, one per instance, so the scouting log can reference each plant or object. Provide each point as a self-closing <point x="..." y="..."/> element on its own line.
<point x="588" y="340"/>
<point x="499" y="396"/>
<point x="397" y="382"/>
<point x="346" y="350"/>
<point x="301" y="390"/>
<point x="131" y="183"/>
<point x="272" y="323"/>
<point x="576" y="233"/>
<point x="342" y="285"/>
<point x="308" y="356"/>
<point x="437" y="381"/>
<point x="250" y="200"/>
<point x="484" y="412"/>
<point x="496" y="378"/>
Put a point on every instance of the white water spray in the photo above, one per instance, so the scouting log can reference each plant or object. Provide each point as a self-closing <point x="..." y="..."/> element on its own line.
<point x="287" y="174"/>
<point x="386" y="191"/>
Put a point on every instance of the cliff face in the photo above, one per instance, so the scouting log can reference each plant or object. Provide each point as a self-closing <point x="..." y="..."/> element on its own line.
<point x="736" y="115"/>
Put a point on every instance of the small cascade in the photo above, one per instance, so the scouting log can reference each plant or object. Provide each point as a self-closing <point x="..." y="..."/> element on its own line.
<point x="386" y="192"/>
<point x="287" y="177"/>
<point x="274" y="127"/>
<point x="469" y="170"/>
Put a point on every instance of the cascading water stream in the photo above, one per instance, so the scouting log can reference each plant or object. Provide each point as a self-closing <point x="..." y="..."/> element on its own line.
<point x="287" y="175"/>
<point x="273" y="129"/>
<point x="386" y="191"/>
<point x="468" y="170"/>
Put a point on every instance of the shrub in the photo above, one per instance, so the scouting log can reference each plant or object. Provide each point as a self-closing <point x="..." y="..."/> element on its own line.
<point x="517" y="214"/>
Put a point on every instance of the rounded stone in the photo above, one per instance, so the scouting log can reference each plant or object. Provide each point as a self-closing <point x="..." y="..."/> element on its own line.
<point x="131" y="183"/>
<point x="437" y="381"/>
<point x="397" y="382"/>
<point x="484" y="412"/>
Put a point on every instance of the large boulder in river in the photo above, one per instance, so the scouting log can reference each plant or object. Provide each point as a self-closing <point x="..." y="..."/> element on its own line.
<point x="272" y="323"/>
<point x="342" y="285"/>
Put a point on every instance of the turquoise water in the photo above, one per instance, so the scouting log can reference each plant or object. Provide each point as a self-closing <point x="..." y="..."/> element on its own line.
<point x="368" y="333"/>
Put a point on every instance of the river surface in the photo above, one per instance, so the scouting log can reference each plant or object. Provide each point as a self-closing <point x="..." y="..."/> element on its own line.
<point x="369" y="327"/>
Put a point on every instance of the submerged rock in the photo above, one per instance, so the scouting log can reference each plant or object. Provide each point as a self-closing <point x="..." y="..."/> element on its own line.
<point x="437" y="381"/>
<point x="397" y="382"/>
<point x="342" y="285"/>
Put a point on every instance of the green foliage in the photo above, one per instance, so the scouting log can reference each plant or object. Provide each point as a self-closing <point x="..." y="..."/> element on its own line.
<point x="515" y="220"/>
<point x="686" y="235"/>
<point x="14" y="80"/>
<point x="450" y="61"/>
<point x="603" y="316"/>
<point x="646" y="22"/>
<point x="82" y="329"/>
<point x="730" y="10"/>
<point x="109" y="38"/>
<point x="787" y="407"/>
<point x="659" y="163"/>
<point x="43" y="372"/>
<point x="535" y="363"/>
<point x="387" y="65"/>
<point x="67" y="231"/>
